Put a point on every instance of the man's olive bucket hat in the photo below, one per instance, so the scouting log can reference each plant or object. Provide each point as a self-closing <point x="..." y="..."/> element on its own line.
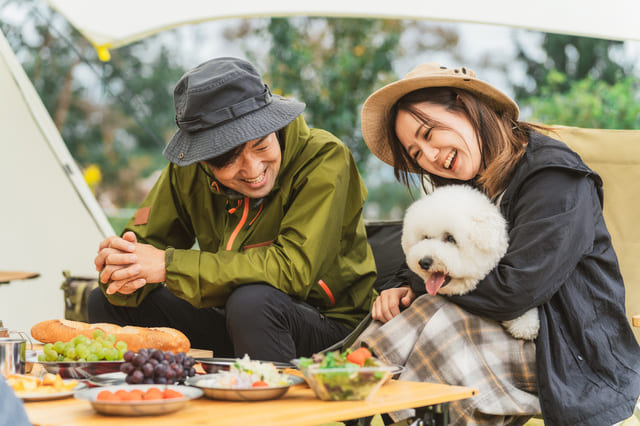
<point x="222" y="104"/>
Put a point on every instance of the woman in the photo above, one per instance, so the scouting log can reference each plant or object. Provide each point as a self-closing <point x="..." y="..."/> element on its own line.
<point x="449" y="127"/>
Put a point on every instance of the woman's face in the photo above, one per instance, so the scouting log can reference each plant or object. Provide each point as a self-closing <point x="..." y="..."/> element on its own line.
<point x="450" y="150"/>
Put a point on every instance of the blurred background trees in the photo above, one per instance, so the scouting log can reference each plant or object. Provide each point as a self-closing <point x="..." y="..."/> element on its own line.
<point x="116" y="116"/>
<point x="580" y="81"/>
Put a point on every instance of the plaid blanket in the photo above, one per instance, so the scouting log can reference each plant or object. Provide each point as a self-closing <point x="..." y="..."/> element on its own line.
<point x="437" y="341"/>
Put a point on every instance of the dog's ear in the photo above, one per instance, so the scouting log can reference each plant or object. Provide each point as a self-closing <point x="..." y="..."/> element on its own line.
<point x="490" y="233"/>
<point x="411" y="225"/>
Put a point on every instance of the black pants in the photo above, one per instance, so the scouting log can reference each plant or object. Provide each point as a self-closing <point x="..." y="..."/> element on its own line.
<point x="258" y="320"/>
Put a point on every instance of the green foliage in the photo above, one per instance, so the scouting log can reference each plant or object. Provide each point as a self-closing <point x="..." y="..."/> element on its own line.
<point x="575" y="57"/>
<point x="587" y="102"/>
<point x="332" y="65"/>
<point x="578" y="83"/>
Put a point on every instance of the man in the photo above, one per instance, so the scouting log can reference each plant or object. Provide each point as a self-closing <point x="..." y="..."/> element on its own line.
<point x="12" y="411"/>
<point x="282" y="266"/>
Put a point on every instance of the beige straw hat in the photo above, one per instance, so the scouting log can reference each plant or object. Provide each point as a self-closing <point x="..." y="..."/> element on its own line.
<point x="375" y="112"/>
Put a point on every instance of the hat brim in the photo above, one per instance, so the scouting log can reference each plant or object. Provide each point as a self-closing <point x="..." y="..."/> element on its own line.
<point x="186" y="148"/>
<point x="376" y="109"/>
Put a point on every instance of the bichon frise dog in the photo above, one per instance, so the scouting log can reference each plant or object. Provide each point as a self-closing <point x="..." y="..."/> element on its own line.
<point x="452" y="239"/>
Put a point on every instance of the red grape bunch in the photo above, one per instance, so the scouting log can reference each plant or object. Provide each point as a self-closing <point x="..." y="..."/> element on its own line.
<point x="153" y="366"/>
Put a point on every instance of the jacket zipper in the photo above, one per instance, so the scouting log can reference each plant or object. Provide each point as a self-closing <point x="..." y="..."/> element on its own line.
<point x="327" y="290"/>
<point x="234" y="234"/>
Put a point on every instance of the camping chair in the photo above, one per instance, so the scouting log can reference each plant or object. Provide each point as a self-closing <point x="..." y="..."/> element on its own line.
<point x="615" y="156"/>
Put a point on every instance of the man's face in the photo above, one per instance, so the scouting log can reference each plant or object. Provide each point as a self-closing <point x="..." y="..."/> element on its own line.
<point x="253" y="172"/>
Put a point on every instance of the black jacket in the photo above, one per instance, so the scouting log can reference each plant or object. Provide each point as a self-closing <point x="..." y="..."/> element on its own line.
<point x="560" y="259"/>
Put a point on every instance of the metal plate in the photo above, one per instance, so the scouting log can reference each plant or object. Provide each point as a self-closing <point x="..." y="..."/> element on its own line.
<point x="248" y="394"/>
<point x="139" y="408"/>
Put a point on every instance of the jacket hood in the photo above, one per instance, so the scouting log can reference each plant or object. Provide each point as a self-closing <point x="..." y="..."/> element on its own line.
<point x="295" y="137"/>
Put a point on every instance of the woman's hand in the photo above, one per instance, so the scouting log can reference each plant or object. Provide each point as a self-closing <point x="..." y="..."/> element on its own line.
<point x="388" y="304"/>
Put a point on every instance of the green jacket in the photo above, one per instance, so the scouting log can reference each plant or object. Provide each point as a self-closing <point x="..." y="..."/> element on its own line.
<point x="307" y="237"/>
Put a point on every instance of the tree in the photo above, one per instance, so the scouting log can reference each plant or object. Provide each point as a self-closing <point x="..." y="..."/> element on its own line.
<point x="588" y="102"/>
<point x="575" y="57"/>
<point x="579" y="83"/>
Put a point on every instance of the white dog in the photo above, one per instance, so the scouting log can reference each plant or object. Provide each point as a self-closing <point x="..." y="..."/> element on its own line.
<point x="452" y="239"/>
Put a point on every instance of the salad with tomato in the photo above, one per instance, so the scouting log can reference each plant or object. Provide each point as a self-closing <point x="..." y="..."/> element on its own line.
<point x="348" y="375"/>
<point x="245" y="373"/>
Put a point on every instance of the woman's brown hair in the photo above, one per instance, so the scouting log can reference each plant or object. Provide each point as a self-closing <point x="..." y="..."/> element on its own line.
<point x="502" y="141"/>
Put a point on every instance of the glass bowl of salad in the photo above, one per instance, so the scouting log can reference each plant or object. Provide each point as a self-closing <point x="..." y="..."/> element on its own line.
<point x="352" y="375"/>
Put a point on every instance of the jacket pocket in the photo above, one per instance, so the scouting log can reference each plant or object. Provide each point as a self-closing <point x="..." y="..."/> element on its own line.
<point x="580" y="361"/>
<point x="250" y="246"/>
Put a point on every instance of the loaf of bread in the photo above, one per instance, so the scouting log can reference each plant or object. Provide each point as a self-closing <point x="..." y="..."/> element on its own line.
<point x="136" y="338"/>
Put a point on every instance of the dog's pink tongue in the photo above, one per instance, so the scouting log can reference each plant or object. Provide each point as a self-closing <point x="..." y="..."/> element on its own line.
<point x="435" y="281"/>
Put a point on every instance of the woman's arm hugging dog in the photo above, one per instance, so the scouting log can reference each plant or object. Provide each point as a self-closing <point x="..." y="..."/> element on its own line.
<point x="452" y="238"/>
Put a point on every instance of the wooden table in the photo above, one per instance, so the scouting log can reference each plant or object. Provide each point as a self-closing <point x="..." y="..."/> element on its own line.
<point x="8" y="276"/>
<point x="299" y="406"/>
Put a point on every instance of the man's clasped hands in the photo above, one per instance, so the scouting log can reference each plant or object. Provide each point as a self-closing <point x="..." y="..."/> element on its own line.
<point x="127" y="265"/>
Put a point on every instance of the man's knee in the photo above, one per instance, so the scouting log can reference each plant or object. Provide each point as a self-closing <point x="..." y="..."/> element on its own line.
<point x="251" y="304"/>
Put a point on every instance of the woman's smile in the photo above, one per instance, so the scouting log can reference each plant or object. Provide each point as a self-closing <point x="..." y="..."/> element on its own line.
<point x="450" y="161"/>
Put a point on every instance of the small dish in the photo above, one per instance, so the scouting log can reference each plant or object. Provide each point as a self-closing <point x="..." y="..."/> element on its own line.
<point x="216" y="365"/>
<point x="139" y="408"/>
<point x="241" y="394"/>
<point x="45" y="396"/>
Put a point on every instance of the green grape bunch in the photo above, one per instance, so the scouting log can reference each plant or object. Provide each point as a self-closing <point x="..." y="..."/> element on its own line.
<point x="83" y="349"/>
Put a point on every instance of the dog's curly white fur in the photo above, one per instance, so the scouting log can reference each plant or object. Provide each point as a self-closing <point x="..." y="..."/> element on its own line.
<point x="452" y="238"/>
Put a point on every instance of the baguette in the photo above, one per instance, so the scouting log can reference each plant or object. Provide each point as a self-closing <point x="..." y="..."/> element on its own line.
<point x="136" y="338"/>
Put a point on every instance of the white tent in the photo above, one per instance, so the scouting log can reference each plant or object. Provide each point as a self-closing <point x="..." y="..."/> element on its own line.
<point x="50" y="220"/>
<point x="113" y="23"/>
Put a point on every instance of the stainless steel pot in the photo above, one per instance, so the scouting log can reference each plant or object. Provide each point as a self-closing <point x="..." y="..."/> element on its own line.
<point x="12" y="355"/>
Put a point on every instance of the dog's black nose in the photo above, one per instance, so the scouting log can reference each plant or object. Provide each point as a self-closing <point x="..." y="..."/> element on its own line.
<point x="425" y="263"/>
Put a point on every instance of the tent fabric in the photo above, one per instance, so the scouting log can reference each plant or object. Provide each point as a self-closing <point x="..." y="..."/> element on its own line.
<point x="50" y="220"/>
<point x="114" y="23"/>
<point x="615" y="156"/>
